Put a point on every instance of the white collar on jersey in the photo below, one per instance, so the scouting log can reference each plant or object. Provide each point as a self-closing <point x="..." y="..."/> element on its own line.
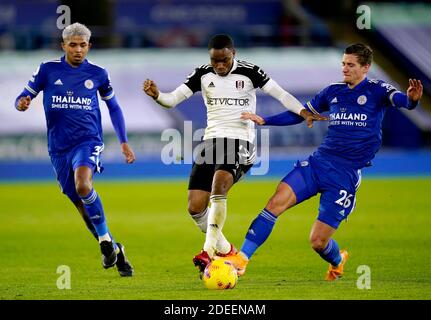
<point x="234" y="66"/>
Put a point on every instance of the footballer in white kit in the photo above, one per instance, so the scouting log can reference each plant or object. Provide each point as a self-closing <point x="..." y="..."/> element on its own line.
<point x="228" y="88"/>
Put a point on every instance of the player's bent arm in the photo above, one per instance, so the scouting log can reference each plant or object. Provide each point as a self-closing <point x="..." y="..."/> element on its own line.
<point x="171" y="99"/>
<point x="289" y="102"/>
<point x="117" y="119"/>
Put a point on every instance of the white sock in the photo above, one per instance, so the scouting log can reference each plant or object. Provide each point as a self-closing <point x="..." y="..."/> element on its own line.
<point x="201" y="220"/>
<point x="222" y="246"/>
<point x="216" y="220"/>
<point x="105" y="237"/>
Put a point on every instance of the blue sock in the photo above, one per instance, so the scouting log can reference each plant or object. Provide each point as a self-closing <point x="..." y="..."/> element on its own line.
<point x="259" y="231"/>
<point x="94" y="208"/>
<point x="331" y="253"/>
<point x="91" y="228"/>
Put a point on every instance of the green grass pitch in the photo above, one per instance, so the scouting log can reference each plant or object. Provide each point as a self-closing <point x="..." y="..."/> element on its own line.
<point x="40" y="230"/>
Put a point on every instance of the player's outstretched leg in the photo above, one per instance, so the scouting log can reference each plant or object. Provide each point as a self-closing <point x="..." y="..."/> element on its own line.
<point x="94" y="208"/>
<point x="262" y="226"/>
<point x="328" y="250"/>
<point x="124" y="267"/>
<point x="80" y="206"/>
<point x="258" y="232"/>
<point x="93" y="205"/>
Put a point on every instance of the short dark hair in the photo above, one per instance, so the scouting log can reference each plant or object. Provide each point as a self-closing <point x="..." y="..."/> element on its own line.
<point x="220" y="41"/>
<point x="362" y="51"/>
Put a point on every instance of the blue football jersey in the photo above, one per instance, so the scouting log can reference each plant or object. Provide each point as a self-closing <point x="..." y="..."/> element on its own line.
<point x="70" y="101"/>
<point x="355" y="120"/>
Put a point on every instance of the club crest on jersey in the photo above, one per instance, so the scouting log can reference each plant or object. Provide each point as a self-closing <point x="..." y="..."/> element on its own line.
<point x="304" y="163"/>
<point x="239" y="84"/>
<point x="89" y="84"/>
<point x="362" y="100"/>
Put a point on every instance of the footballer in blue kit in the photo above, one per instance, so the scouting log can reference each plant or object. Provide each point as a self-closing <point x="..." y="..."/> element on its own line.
<point x="75" y="137"/>
<point x="355" y="108"/>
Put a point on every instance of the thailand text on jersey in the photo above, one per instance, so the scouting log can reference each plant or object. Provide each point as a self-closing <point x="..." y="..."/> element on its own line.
<point x="227" y="97"/>
<point x="355" y="120"/>
<point x="70" y="101"/>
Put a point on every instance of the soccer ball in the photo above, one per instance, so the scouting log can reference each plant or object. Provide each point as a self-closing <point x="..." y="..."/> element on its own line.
<point x="219" y="275"/>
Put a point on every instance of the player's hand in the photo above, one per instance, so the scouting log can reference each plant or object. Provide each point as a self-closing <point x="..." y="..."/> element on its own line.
<point x="311" y="117"/>
<point x="415" y="90"/>
<point x="128" y="153"/>
<point x="150" y="88"/>
<point x="253" y="117"/>
<point x="24" y="103"/>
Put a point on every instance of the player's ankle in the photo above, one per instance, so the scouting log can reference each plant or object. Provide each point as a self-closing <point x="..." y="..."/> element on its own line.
<point x="105" y="237"/>
<point x="243" y="255"/>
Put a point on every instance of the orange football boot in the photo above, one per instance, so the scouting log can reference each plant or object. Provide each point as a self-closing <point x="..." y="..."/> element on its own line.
<point x="336" y="272"/>
<point x="238" y="260"/>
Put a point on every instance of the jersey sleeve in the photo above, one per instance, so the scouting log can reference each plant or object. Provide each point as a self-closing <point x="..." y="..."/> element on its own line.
<point x="117" y="119"/>
<point x="286" y="118"/>
<point x="387" y="93"/>
<point x="193" y="80"/>
<point x="258" y="77"/>
<point x="105" y="89"/>
<point x="319" y="103"/>
<point x="37" y="81"/>
<point x="392" y="97"/>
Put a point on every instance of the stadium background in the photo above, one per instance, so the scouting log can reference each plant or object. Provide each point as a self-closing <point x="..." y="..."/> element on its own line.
<point x="298" y="43"/>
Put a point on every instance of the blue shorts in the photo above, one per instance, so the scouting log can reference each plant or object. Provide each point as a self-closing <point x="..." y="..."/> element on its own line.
<point x="86" y="154"/>
<point x="337" y="185"/>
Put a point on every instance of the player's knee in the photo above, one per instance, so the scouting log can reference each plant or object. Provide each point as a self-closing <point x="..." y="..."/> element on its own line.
<point x="283" y="199"/>
<point x="273" y="205"/>
<point x="196" y="207"/>
<point x="318" y="243"/>
<point x="83" y="188"/>
<point x="197" y="201"/>
<point x="276" y="205"/>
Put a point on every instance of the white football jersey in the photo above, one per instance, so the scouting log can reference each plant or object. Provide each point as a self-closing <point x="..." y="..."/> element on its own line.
<point x="227" y="97"/>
